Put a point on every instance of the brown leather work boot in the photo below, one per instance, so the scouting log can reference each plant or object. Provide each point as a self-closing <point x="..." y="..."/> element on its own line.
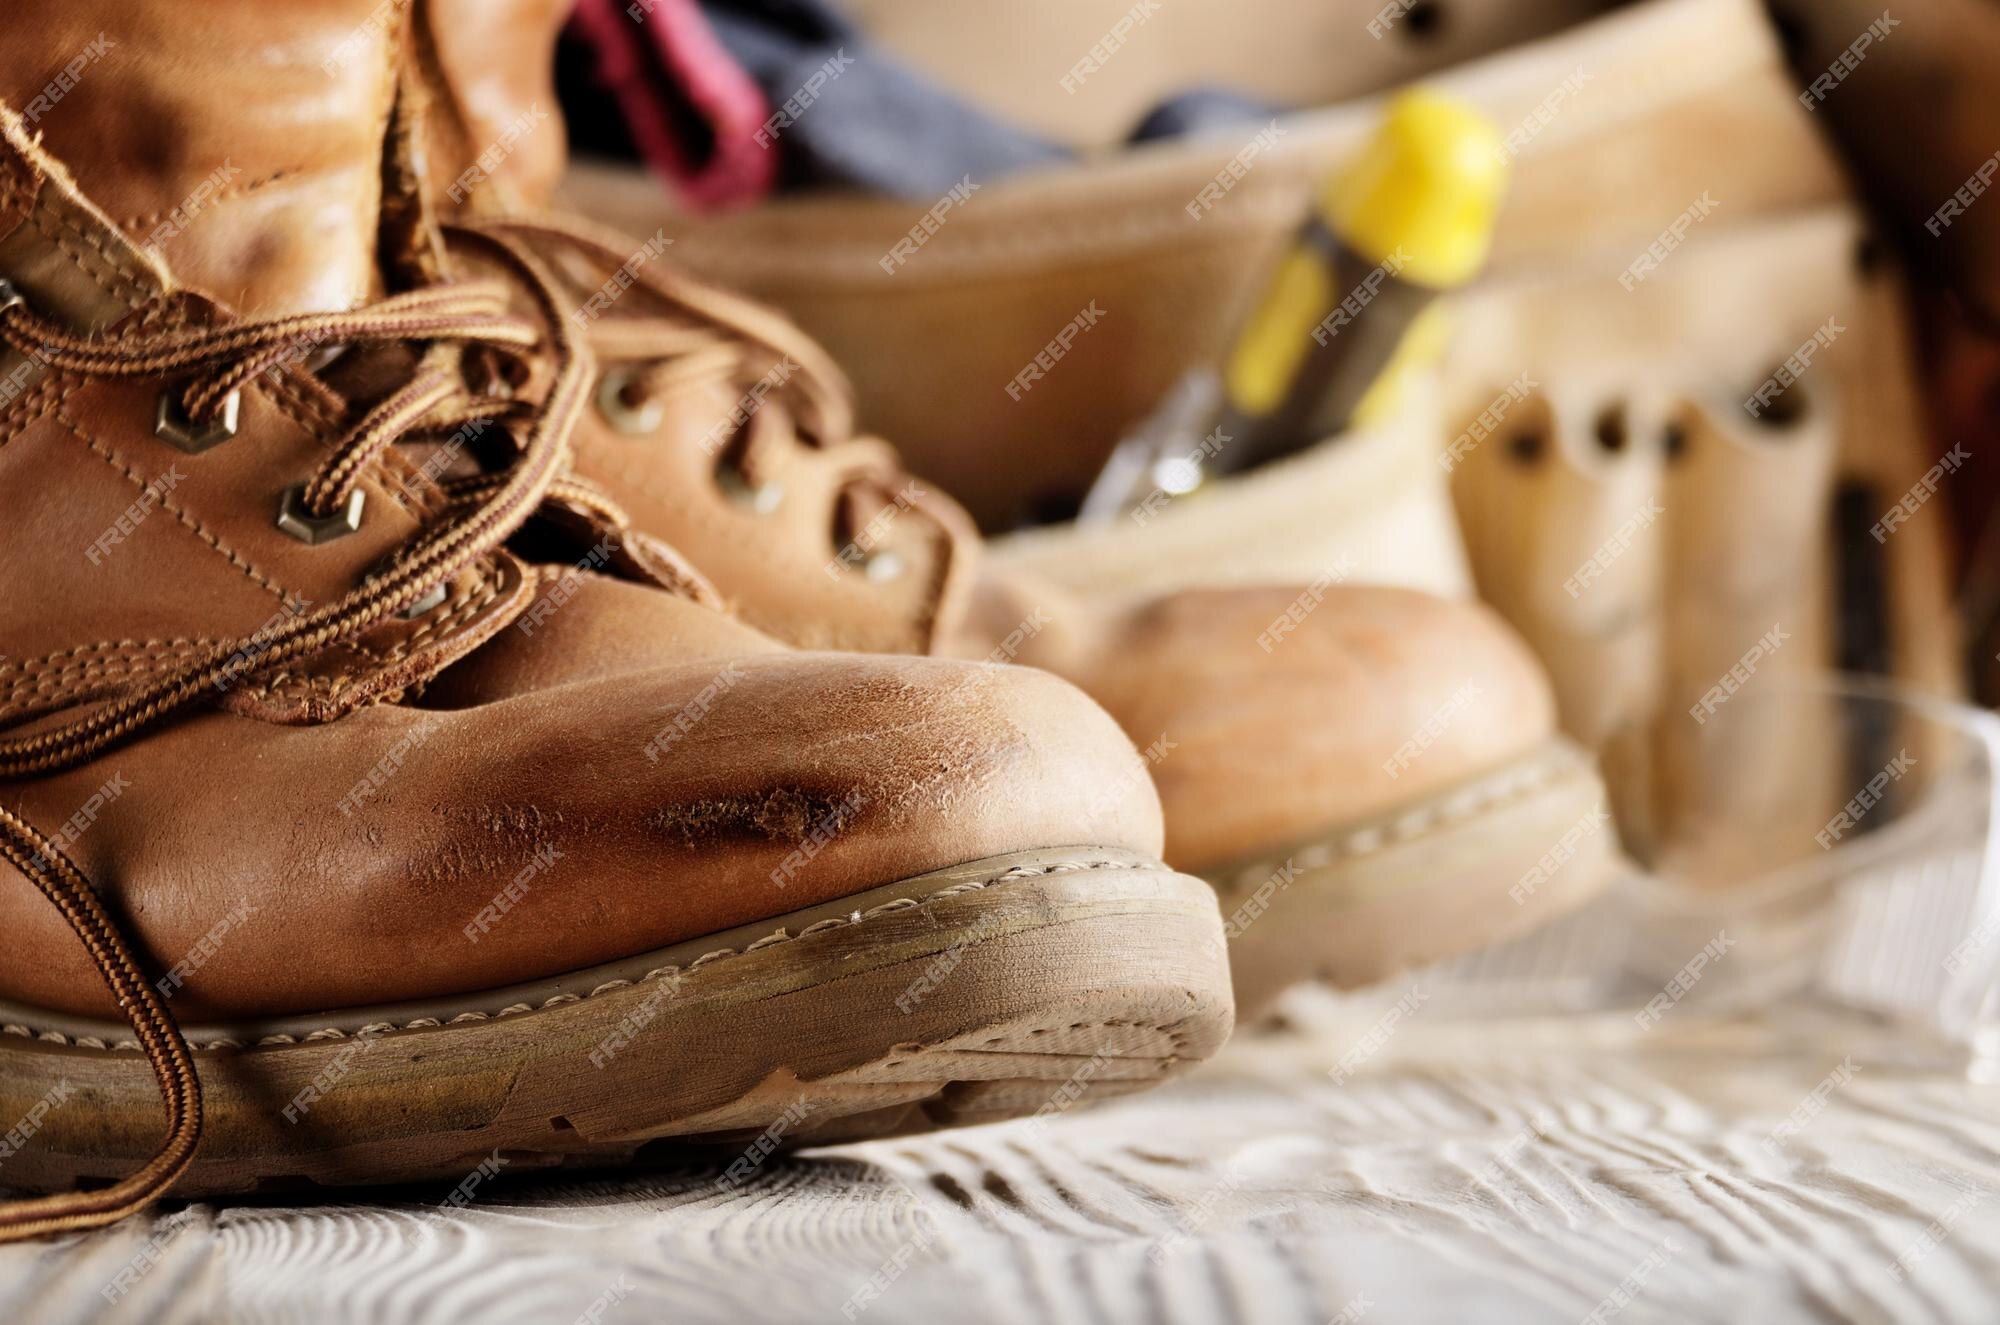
<point x="410" y="815"/>
<point x="1377" y="767"/>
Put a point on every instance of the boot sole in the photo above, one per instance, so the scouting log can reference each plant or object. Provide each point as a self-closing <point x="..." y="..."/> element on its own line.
<point x="1489" y="859"/>
<point x="1008" y="986"/>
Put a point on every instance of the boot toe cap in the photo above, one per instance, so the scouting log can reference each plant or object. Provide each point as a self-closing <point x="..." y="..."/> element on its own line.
<point x="1288" y="711"/>
<point x="431" y="852"/>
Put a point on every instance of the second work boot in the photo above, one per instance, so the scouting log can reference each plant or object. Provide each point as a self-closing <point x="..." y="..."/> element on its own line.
<point x="1371" y="778"/>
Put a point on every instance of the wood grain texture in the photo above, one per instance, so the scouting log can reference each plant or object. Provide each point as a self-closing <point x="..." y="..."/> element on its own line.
<point x="1460" y="1171"/>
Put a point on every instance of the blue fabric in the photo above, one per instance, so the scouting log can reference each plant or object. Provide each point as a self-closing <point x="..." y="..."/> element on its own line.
<point x="876" y="125"/>
<point x="883" y="127"/>
<point x="1203" y="110"/>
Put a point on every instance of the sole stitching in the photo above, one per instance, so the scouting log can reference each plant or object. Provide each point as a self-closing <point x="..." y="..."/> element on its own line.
<point x="1507" y="787"/>
<point x="774" y="939"/>
<point x="1171" y="1030"/>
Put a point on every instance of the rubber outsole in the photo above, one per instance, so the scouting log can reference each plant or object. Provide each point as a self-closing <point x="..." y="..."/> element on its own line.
<point x="1474" y="865"/>
<point x="991" y="990"/>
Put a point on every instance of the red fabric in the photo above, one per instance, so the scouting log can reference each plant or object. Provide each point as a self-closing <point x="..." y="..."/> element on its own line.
<point x="666" y="65"/>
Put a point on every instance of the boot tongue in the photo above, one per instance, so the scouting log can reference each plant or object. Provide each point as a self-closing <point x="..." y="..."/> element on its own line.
<point x="240" y="139"/>
<point x="493" y="129"/>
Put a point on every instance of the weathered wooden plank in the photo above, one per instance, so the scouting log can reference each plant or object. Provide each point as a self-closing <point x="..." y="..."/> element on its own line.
<point x="1516" y="1171"/>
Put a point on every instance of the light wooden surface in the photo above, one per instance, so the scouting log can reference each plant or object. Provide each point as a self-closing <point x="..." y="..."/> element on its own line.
<point x="1508" y="1171"/>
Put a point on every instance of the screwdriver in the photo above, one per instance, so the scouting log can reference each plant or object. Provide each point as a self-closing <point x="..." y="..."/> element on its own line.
<point x="1349" y="312"/>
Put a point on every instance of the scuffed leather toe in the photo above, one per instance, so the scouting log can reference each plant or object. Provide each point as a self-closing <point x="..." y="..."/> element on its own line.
<point x="584" y="822"/>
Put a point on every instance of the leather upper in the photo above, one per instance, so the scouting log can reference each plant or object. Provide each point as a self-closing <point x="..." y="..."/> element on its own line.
<point x="811" y="534"/>
<point x="489" y="67"/>
<point x="153" y="553"/>
<point x="241" y="142"/>
<point x="366" y="846"/>
<point x="638" y="767"/>
<point x="1271" y="714"/>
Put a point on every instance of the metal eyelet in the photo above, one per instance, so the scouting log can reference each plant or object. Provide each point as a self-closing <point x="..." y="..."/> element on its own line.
<point x="764" y="498"/>
<point x="172" y="425"/>
<point x="617" y="409"/>
<point x="9" y="296"/>
<point x="313" y="530"/>
<point x="426" y="605"/>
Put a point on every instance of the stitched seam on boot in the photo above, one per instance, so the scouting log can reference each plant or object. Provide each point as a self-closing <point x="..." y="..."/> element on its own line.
<point x="291" y="400"/>
<point x="33" y="405"/>
<point x="777" y="938"/>
<point x="291" y="685"/>
<point x="104" y="269"/>
<point x="134" y="225"/>
<point x="294" y="404"/>
<point x="201" y="531"/>
<point x="86" y="673"/>
<point x="1499" y="788"/>
<point x="73" y="658"/>
<point x="19" y="183"/>
<point x="1171" y="1029"/>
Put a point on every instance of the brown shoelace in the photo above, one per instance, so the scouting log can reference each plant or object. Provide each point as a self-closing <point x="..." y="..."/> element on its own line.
<point x="452" y="319"/>
<point x="714" y="336"/>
